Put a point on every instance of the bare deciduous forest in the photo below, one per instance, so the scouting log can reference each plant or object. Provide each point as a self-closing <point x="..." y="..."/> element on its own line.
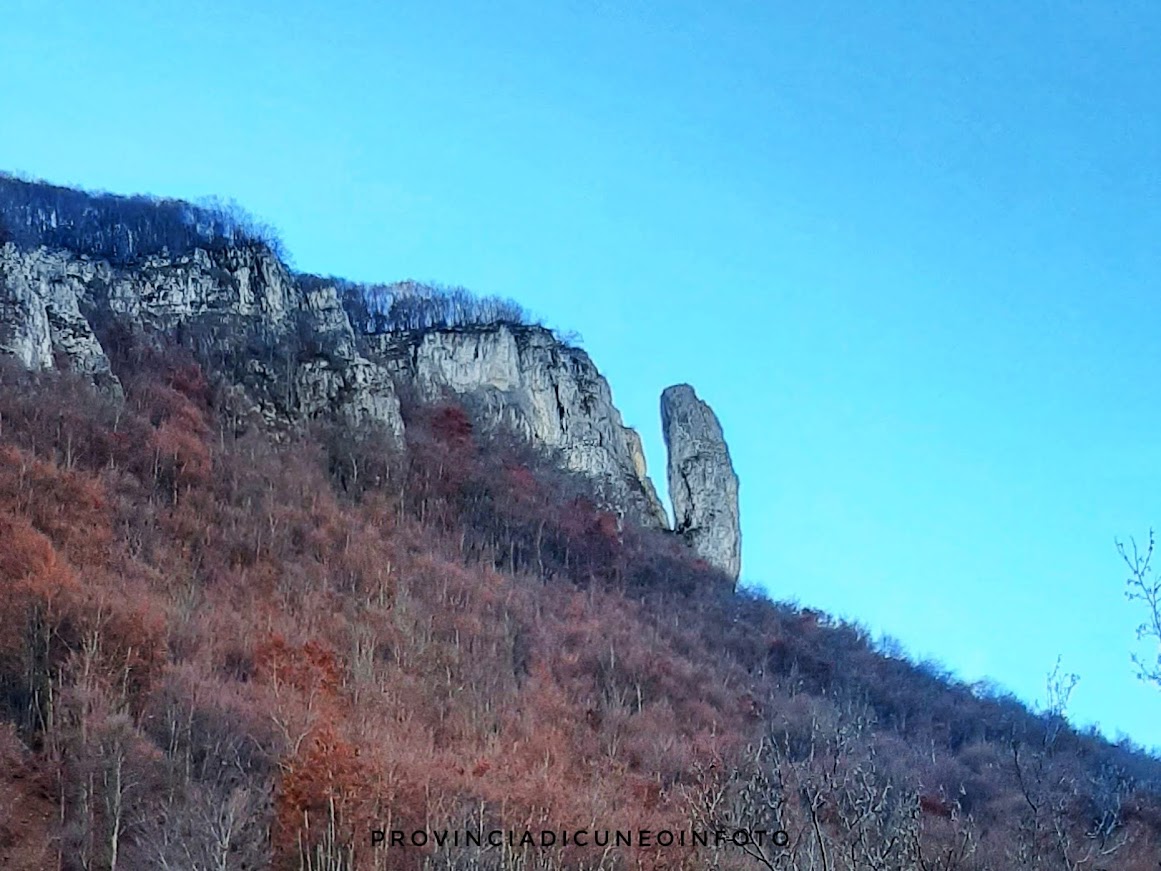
<point x="121" y="229"/>
<point x="231" y="648"/>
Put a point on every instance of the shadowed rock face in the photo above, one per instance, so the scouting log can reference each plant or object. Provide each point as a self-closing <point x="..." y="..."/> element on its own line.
<point x="702" y="484"/>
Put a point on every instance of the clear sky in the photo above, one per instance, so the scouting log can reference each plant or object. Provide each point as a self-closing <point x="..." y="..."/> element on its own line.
<point x="907" y="250"/>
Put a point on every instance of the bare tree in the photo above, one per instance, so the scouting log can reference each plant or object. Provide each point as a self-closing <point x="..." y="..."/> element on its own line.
<point x="1144" y="586"/>
<point x="827" y="801"/>
<point x="1059" y="688"/>
<point x="1052" y="830"/>
<point x="410" y="305"/>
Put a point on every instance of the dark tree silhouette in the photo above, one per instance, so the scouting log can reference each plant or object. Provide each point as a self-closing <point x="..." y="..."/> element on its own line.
<point x="122" y="229"/>
<point x="410" y="305"/>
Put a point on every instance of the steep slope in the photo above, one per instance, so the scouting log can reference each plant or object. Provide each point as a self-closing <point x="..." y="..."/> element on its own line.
<point x="292" y="348"/>
<point x="524" y="377"/>
<point x="78" y="268"/>
<point x="273" y="582"/>
<point x="220" y="651"/>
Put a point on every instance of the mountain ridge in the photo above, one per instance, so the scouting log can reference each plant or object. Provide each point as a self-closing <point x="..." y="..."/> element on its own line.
<point x="301" y="345"/>
<point x="254" y="621"/>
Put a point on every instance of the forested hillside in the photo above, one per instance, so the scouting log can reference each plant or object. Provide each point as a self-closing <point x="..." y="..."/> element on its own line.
<point x="230" y="647"/>
<point x="240" y="639"/>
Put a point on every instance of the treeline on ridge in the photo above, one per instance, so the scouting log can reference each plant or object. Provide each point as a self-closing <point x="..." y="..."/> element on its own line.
<point x="122" y="229"/>
<point x="126" y="229"/>
<point x="412" y="305"/>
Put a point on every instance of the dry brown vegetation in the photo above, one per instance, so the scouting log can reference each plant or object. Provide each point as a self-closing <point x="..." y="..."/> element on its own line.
<point x="228" y="648"/>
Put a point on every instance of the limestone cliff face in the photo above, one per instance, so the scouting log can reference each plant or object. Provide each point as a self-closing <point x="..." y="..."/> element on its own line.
<point x="239" y="308"/>
<point x="40" y="319"/>
<point x="290" y="345"/>
<point x="702" y="484"/>
<point x="524" y="377"/>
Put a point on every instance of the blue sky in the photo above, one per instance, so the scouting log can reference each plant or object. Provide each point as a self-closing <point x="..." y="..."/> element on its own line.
<point x="907" y="250"/>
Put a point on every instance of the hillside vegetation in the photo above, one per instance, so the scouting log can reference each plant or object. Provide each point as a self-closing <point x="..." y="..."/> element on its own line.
<point x="231" y="645"/>
<point x="228" y="647"/>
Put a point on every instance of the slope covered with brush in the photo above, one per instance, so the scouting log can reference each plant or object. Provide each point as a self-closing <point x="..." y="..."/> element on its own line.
<point x="226" y="649"/>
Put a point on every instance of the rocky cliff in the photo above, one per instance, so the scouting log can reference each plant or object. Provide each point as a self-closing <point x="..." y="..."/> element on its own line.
<point x="703" y="486"/>
<point x="291" y="346"/>
<point x="547" y="390"/>
<point x="293" y="350"/>
<point x="296" y="347"/>
<point x="41" y="324"/>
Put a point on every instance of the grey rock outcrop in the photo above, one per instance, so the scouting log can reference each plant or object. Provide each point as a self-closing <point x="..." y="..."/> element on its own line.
<point x="524" y="377"/>
<point x="40" y="319"/>
<point x="288" y="348"/>
<point x="292" y="349"/>
<point x="703" y="486"/>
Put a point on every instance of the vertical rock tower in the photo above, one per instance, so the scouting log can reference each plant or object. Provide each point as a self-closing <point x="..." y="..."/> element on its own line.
<point x="703" y="486"/>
